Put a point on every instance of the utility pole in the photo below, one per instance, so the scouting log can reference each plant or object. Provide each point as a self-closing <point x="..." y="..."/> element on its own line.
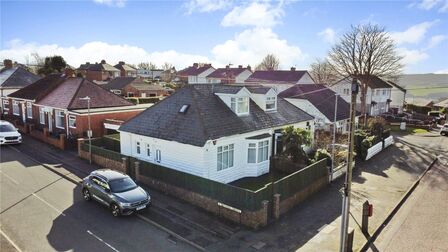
<point x="346" y="190"/>
<point x="334" y="135"/>
<point x="89" y="132"/>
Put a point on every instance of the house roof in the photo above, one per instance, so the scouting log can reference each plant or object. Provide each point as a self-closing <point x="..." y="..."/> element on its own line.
<point x="443" y="103"/>
<point x="393" y="84"/>
<point x="16" y="77"/>
<point x="196" y="69"/>
<point x="147" y="87"/>
<point x="123" y="66"/>
<point x="119" y="83"/>
<point x="373" y="82"/>
<point x="321" y="97"/>
<point x="58" y="91"/>
<point x="277" y="76"/>
<point x="207" y="116"/>
<point x="230" y="72"/>
<point x="102" y="66"/>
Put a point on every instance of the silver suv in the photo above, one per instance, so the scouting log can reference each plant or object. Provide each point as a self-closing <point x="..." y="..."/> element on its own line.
<point x="115" y="190"/>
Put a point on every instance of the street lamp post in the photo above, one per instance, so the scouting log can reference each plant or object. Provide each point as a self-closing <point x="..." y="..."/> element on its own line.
<point x="334" y="136"/>
<point x="346" y="190"/>
<point x="89" y="132"/>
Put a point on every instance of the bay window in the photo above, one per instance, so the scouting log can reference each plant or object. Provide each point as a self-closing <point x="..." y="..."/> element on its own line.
<point x="72" y="121"/>
<point x="252" y="153"/>
<point x="29" y="110"/>
<point x="5" y="106"/>
<point x="258" y="152"/>
<point x="59" y="118"/>
<point x="240" y="105"/>
<point x="225" y="157"/>
<point x="41" y="115"/>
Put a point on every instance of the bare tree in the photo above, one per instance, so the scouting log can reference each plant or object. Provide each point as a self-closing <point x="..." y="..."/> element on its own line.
<point x="167" y="66"/>
<point x="143" y="65"/>
<point x="323" y="73"/>
<point x="38" y="60"/>
<point x="364" y="52"/>
<point x="269" y="62"/>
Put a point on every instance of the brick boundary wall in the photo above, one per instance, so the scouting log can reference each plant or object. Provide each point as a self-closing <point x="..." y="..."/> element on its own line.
<point x="252" y="219"/>
<point x="103" y="161"/>
<point x="46" y="138"/>
<point x="289" y="203"/>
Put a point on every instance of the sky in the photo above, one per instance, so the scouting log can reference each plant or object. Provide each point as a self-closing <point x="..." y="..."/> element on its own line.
<point x="217" y="31"/>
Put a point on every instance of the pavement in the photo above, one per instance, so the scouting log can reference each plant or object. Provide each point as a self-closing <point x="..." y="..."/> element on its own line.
<point x="421" y="223"/>
<point x="172" y="224"/>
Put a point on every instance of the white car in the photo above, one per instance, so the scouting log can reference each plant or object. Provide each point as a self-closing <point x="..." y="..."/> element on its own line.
<point x="9" y="134"/>
<point x="444" y="130"/>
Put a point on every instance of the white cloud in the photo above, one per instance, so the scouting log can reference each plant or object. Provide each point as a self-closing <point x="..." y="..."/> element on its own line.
<point x="96" y="51"/>
<point x="259" y="14"/>
<point x="436" y="40"/>
<point x="411" y="57"/>
<point x="329" y="35"/>
<point x="112" y="3"/>
<point x="413" y="34"/>
<point x="443" y="71"/>
<point x="444" y="7"/>
<point x="428" y="4"/>
<point x="206" y="5"/>
<point x="250" y="46"/>
<point x="441" y="5"/>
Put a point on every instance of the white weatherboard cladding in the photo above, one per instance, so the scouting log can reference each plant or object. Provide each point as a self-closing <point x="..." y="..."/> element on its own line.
<point x="200" y="78"/>
<point x="202" y="161"/>
<point x="306" y="79"/>
<point x="240" y="78"/>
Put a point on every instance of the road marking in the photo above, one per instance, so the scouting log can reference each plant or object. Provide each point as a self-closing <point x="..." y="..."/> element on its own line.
<point x="48" y="204"/>
<point x="101" y="240"/>
<point x="10" y="241"/>
<point x="13" y="180"/>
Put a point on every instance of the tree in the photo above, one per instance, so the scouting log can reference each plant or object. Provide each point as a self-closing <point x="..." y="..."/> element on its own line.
<point x="293" y="141"/>
<point x="269" y="62"/>
<point x="53" y="64"/>
<point x="143" y="65"/>
<point x="366" y="51"/>
<point x="167" y="66"/>
<point x="323" y="73"/>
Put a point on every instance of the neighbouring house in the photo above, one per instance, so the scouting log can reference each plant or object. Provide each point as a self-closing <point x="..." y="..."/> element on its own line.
<point x="219" y="132"/>
<point x="443" y="104"/>
<point x="280" y="80"/>
<point x="168" y="75"/>
<point x="99" y="73"/>
<point x="126" y="70"/>
<point x="398" y="97"/>
<point x="195" y="74"/>
<point x="229" y="75"/>
<point x="150" y="74"/>
<point x="378" y="96"/>
<point x="54" y="104"/>
<point x="134" y="87"/>
<point x="320" y="101"/>
<point x="13" y="78"/>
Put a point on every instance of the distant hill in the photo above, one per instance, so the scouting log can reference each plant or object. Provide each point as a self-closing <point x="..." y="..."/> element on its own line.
<point x="423" y="88"/>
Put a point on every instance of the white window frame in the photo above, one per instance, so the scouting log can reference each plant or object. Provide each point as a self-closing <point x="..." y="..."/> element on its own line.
<point x="138" y="147"/>
<point x="225" y="151"/>
<point x="15" y="105"/>
<point x="59" y="114"/>
<point x="41" y="115"/>
<point x="116" y="91"/>
<point x="6" y="106"/>
<point x="72" y="121"/>
<point x="148" y="150"/>
<point x="237" y="102"/>
<point x="271" y="100"/>
<point x="261" y="149"/>
<point x="29" y="110"/>
<point x="158" y="157"/>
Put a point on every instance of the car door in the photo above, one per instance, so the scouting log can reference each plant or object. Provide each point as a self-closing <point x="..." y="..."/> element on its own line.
<point x="98" y="190"/>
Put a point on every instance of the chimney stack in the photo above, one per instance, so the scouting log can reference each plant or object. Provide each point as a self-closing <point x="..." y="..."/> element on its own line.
<point x="227" y="66"/>
<point x="249" y="68"/>
<point x="103" y="62"/>
<point x="195" y="65"/>
<point x="240" y="66"/>
<point x="293" y="68"/>
<point x="121" y="62"/>
<point x="7" y="63"/>
<point x="87" y="63"/>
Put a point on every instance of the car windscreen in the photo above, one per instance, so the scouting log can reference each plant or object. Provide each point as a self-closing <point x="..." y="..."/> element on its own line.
<point x="7" y="128"/>
<point x="122" y="185"/>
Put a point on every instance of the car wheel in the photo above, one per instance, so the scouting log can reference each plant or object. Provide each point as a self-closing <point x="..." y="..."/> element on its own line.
<point x="115" y="210"/>
<point x="86" y="194"/>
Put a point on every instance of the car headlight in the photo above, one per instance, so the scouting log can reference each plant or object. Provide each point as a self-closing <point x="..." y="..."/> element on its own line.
<point x="125" y="204"/>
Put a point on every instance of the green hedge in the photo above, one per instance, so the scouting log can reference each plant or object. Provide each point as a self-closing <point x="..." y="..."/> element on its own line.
<point x="100" y="151"/>
<point x="225" y="193"/>
<point x="145" y="100"/>
<point x="296" y="182"/>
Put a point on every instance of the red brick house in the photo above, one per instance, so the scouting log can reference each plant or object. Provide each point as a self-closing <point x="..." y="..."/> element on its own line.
<point x="126" y="70"/>
<point x="53" y="105"/>
<point x="98" y="72"/>
<point x="134" y="87"/>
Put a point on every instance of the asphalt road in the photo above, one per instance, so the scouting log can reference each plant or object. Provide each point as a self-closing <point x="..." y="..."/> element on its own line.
<point x="42" y="211"/>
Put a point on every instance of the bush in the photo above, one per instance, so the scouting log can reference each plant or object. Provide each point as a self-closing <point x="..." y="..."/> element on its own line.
<point x="376" y="125"/>
<point x="133" y="100"/>
<point x="146" y="100"/>
<point x="322" y="154"/>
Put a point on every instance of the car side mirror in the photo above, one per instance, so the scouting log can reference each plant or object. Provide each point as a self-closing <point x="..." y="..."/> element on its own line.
<point x="107" y="190"/>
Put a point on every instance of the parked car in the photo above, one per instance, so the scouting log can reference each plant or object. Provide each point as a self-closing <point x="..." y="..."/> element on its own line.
<point x="444" y="130"/>
<point x="116" y="191"/>
<point x="9" y="134"/>
<point x="439" y="116"/>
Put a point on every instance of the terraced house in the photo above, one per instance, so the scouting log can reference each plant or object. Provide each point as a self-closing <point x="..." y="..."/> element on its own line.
<point x="56" y="105"/>
<point x="219" y="132"/>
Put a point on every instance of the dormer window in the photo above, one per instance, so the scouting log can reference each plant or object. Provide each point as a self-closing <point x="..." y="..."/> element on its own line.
<point x="240" y="105"/>
<point x="271" y="103"/>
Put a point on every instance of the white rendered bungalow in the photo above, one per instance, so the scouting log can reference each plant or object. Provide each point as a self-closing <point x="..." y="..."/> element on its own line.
<point x="219" y="132"/>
